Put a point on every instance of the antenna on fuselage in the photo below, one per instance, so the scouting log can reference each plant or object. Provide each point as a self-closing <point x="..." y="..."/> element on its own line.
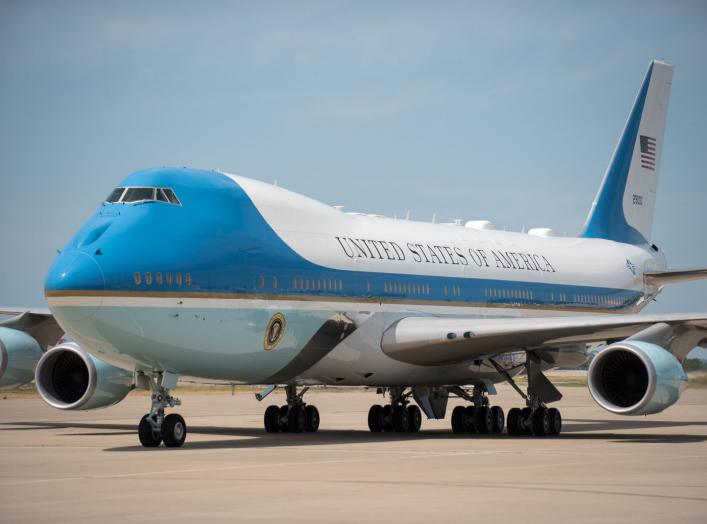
<point x="434" y="218"/>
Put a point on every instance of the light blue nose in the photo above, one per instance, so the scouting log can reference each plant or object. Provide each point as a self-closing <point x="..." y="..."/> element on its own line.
<point x="74" y="283"/>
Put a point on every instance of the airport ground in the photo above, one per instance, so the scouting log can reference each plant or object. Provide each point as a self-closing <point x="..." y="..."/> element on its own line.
<point x="89" y="467"/>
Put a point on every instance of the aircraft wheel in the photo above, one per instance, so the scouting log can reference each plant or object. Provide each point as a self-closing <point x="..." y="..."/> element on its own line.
<point x="470" y="419"/>
<point x="514" y="422"/>
<point x="282" y="418"/>
<point x="458" y="419"/>
<point x="541" y="422"/>
<point x="498" y="418"/>
<point x="401" y="419"/>
<point x="555" y="421"/>
<point x="375" y="418"/>
<point x="295" y="420"/>
<point x="311" y="416"/>
<point x="415" y="417"/>
<point x="271" y="419"/>
<point x="484" y="420"/>
<point x="174" y="431"/>
<point x="527" y="423"/>
<point x="148" y="438"/>
<point x="388" y="418"/>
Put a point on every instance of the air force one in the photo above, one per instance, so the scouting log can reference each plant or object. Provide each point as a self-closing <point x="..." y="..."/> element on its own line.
<point x="182" y="272"/>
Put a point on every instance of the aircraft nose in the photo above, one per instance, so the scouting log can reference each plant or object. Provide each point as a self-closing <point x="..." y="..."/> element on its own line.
<point x="68" y="286"/>
<point x="74" y="271"/>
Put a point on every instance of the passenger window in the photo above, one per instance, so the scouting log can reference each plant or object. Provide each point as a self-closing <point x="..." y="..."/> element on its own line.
<point x="158" y="278"/>
<point x="148" y="278"/>
<point x="168" y="278"/>
<point x="137" y="277"/>
<point x="187" y="279"/>
<point x="178" y="279"/>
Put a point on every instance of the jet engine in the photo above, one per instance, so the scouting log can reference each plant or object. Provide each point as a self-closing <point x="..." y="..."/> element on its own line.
<point x="67" y="377"/>
<point x="19" y="354"/>
<point x="635" y="378"/>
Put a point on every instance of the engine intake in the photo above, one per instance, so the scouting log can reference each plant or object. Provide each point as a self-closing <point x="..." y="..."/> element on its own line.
<point x="635" y="378"/>
<point x="67" y="377"/>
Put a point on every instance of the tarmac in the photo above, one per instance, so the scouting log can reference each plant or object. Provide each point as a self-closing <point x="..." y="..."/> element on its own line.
<point x="79" y="467"/>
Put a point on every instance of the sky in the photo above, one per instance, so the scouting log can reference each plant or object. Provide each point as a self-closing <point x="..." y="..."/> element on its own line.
<point x="505" y="111"/>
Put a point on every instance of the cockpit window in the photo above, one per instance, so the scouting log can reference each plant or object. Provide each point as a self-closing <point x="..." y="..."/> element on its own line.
<point x="161" y="196"/>
<point x="172" y="197"/>
<point x="115" y="195"/>
<point x="138" y="195"/>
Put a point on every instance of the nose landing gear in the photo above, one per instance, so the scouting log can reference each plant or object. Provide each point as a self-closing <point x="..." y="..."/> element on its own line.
<point x="154" y="427"/>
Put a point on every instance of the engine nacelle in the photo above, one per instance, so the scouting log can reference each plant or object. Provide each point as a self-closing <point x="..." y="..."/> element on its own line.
<point x="67" y="377"/>
<point x="19" y="354"/>
<point x="635" y="378"/>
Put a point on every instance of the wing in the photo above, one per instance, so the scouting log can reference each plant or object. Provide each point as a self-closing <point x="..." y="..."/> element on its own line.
<point x="660" y="278"/>
<point x="14" y="311"/>
<point x="38" y="323"/>
<point x="445" y="340"/>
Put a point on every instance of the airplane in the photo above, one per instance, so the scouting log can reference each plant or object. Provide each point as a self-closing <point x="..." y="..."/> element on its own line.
<point x="184" y="272"/>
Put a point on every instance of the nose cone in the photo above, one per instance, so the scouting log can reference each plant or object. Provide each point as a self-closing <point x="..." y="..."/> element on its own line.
<point x="74" y="271"/>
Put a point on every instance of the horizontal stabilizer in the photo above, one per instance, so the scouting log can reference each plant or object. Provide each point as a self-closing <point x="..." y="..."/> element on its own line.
<point x="660" y="278"/>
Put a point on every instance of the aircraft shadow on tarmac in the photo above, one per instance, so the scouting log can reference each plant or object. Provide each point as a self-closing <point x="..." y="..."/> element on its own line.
<point x="584" y="429"/>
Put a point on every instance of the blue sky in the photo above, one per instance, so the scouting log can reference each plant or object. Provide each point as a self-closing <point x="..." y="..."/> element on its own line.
<point x="507" y="111"/>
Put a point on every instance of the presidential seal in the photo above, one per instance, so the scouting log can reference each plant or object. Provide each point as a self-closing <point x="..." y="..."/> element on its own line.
<point x="274" y="331"/>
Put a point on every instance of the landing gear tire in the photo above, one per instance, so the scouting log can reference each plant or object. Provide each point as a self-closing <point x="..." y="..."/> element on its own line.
<point x="484" y="420"/>
<point x="375" y="418"/>
<point x="541" y="423"/>
<point x="515" y="426"/>
<point x="415" y="417"/>
<point x="174" y="431"/>
<point x="271" y="419"/>
<point x="469" y="419"/>
<point x="401" y="419"/>
<point x="282" y="418"/>
<point x="148" y="437"/>
<point x="295" y="420"/>
<point x="555" y="421"/>
<point x="311" y="416"/>
<point x="388" y="418"/>
<point x="526" y="421"/>
<point x="458" y="419"/>
<point x="498" y="418"/>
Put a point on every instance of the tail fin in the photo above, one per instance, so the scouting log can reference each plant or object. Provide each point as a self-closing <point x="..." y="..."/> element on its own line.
<point x="623" y="208"/>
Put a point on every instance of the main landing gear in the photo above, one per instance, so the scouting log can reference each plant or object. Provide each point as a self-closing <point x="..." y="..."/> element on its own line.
<point x="293" y="417"/>
<point x="155" y="427"/>
<point x="536" y="418"/>
<point x="400" y="415"/>
<point x="479" y="417"/>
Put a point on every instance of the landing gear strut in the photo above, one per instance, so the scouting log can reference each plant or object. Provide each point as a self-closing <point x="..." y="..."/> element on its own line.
<point x="155" y="427"/>
<point x="400" y="415"/>
<point x="535" y="418"/>
<point x="293" y="417"/>
<point x="479" y="417"/>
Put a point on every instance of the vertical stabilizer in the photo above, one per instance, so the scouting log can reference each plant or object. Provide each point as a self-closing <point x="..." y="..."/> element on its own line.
<point x="623" y="208"/>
